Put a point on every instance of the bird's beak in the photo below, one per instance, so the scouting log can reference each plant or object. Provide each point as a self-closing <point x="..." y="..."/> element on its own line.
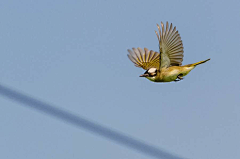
<point x="144" y="75"/>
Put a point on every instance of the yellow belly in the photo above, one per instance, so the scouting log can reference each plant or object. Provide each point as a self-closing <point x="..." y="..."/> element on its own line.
<point x="170" y="74"/>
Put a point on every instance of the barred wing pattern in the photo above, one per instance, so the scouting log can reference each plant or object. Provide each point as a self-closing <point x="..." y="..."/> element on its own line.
<point x="144" y="58"/>
<point x="170" y="44"/>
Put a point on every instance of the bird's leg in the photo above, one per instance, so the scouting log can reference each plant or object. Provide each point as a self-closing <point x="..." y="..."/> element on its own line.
<point x="179" y="78"/>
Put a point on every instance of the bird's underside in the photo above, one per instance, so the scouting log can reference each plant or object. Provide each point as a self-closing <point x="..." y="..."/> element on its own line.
<point x="165" y="66"/>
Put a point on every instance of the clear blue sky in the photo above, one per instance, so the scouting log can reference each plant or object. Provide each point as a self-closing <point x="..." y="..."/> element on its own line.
<point x="73" y="54"/>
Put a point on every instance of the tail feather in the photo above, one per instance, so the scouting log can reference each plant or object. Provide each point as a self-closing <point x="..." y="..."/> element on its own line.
<point x="198" y="63"/>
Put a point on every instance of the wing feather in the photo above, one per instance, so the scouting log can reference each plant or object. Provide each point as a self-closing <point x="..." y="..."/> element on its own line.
<point x="171" y="46"/>
<point x="144" y="58"/>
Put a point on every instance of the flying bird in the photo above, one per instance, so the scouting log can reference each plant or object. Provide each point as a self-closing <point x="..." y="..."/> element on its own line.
<point x="165" y="66"/>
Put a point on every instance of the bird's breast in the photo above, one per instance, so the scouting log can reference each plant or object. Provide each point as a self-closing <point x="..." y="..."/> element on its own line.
<point x="169" y="74"/>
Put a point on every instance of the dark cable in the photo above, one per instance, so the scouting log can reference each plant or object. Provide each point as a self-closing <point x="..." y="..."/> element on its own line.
<point x="88" y="125"/>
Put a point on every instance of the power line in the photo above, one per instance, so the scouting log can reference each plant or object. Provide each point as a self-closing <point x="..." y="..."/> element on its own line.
<point x="85" y="124"/>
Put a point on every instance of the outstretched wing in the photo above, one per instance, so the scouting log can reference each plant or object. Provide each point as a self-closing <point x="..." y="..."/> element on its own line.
<point x="170" y="44"/>
<point x="144" y="58"/>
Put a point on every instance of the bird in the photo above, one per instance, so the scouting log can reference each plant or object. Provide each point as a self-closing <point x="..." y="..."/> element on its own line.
<point x="165" y="65"/>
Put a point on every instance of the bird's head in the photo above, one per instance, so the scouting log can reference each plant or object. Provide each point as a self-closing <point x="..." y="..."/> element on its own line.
<point x="150" y="74"/>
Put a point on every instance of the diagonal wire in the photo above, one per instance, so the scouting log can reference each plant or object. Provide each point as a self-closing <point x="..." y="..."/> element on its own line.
<point x="85" y="124"/>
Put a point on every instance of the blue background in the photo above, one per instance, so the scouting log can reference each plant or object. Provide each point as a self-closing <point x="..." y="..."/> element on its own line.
<point x="73" y="54"/>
